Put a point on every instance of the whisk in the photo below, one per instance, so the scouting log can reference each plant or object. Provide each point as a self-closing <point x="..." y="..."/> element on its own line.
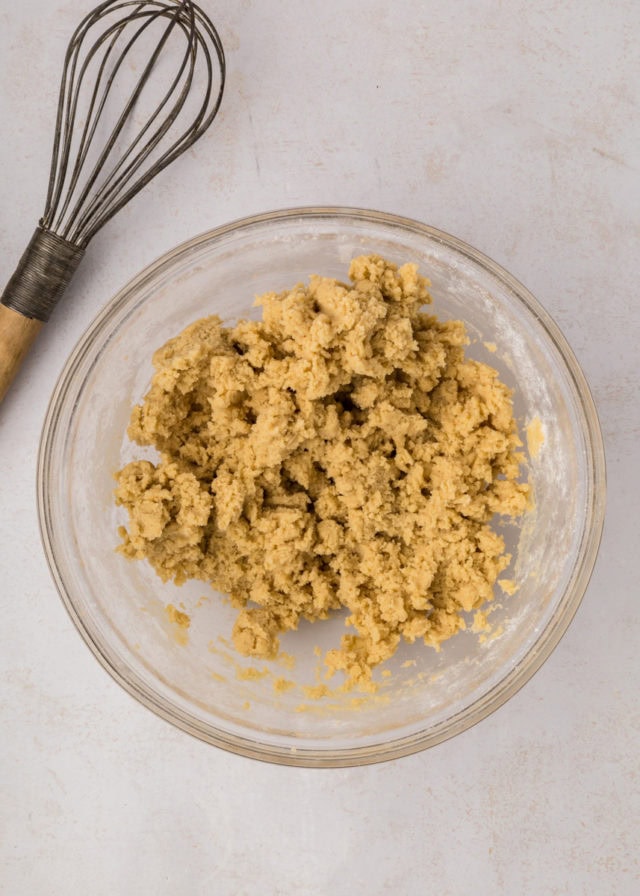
<point x="123" y="49"/>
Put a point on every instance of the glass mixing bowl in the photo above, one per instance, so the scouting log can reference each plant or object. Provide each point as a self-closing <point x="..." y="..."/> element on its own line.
<point x="192" y="677"/>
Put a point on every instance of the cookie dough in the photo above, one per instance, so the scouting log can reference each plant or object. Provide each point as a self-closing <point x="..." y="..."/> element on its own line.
<point x="341" y="452"/>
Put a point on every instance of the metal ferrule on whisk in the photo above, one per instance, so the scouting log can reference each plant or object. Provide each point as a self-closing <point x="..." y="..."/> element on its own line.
<point x="43" y="273"/>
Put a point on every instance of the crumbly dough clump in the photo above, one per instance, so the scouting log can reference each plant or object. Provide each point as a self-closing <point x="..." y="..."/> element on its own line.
<point x="341" y="452"/>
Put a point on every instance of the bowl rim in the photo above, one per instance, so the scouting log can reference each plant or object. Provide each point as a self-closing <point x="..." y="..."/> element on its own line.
<point x="497" y="695"/>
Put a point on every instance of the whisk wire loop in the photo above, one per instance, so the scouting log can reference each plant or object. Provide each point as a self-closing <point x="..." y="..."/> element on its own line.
<point x="111" y="183"/>
<point x="76" y="210"/>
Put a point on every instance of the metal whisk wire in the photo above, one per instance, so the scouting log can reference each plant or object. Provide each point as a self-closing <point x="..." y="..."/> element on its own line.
<point x="94" y="174"/>
<point x="79" y="214"/>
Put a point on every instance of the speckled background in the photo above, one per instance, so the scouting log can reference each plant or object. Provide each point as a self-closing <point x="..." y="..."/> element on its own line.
<point x="514" y="125"/>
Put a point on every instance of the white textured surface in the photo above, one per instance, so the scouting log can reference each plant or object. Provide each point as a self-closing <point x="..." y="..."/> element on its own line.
<point x="515" y="126"/>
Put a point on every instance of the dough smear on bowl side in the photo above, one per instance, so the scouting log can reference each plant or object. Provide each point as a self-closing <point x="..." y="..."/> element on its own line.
<point x="341" y="452"/>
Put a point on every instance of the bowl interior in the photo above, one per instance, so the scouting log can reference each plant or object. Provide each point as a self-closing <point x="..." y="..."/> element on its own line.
<point x="194" y="677"/>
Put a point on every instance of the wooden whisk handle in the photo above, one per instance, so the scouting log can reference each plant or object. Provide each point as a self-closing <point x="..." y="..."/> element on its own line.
<point x="17" y="333"/>
<point x="45" y="269"/>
